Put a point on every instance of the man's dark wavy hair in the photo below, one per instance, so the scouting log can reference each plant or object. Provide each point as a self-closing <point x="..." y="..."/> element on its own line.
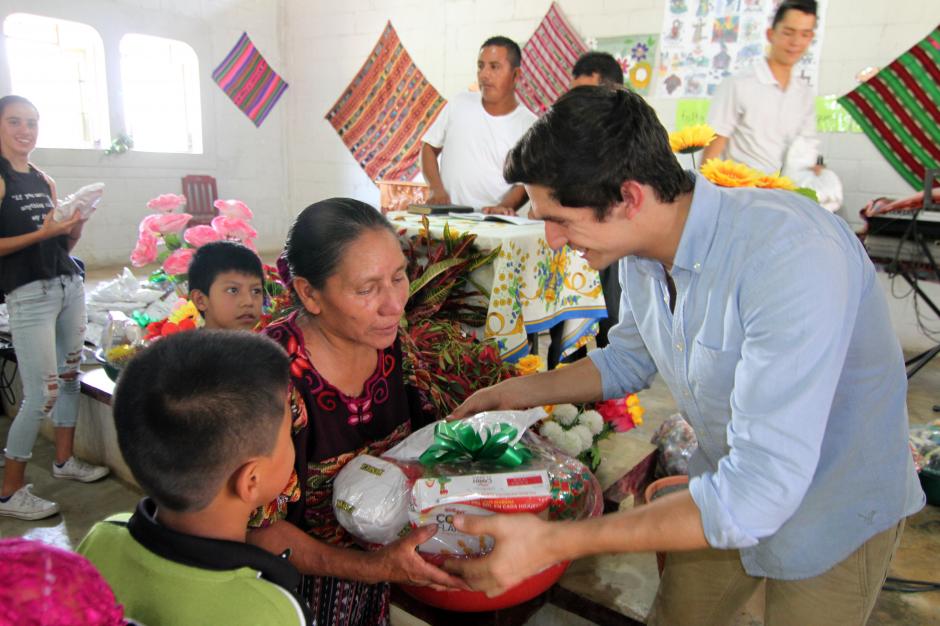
<point x="590" y="142"/>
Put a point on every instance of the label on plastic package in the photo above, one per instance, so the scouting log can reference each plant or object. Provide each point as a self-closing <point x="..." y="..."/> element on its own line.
<point x="510" y="492"/>
<point x="448" y="541"/>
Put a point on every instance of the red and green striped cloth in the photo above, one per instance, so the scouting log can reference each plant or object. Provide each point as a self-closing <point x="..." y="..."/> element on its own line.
<point x="383" y="113"/>
<point x="249" y="81"/>
<point x="547" y="61"/>
<point x="899" y="110"/>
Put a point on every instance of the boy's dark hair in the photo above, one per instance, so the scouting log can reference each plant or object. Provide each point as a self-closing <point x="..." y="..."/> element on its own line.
<point x="602" y="64"/>
<point x="589" y="143"/>
<point x="803" y="6"/>
<point x="321" y="233"/>
<point x="193" y="407"/>
<point x="512" y="49"/>
<point x="214" y="258"/>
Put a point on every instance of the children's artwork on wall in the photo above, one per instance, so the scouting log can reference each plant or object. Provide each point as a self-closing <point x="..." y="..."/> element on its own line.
<point x="636" y="55"/>
<point x="725" y="37"/>
<point x="691" y="112"/>
<point x="385" y="110"/>
<point x="249" y="81"/>
<point x="547" y="60"/>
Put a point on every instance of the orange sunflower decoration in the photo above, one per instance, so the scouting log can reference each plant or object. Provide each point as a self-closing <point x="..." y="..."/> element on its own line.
<point x="775" y="181"/>
<point x="730" y="173"/>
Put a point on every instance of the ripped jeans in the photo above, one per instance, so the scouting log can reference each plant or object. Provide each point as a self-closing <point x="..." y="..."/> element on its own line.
<point x="47" y="321"/>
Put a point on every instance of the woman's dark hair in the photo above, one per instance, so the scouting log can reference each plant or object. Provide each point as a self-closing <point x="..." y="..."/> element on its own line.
<point x="6" y="101"/>
<point x="590" y="142"/>
<point x="321" y="233"/>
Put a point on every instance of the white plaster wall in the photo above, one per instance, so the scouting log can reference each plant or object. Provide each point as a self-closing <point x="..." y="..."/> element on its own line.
<point x="248" y="163"/>
<point x="326" y="43"/>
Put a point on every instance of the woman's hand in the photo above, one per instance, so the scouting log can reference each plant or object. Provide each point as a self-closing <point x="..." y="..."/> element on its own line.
<point x="399" y="562"/>
<point x="51" y="228"/>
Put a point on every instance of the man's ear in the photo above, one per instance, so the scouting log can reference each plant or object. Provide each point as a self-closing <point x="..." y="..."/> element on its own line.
<point x="307" y="294"/>
<point x="632" y="195"/>
<point x="246" y="481"/>
<point x="516" y="74"/>
<point x="200" y="299"/>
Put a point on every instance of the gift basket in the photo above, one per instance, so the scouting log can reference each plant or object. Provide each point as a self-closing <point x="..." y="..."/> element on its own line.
<point x="489" y="463"/>
<point x="121" y="339"/>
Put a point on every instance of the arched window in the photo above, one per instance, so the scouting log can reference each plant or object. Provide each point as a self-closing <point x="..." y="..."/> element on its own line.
<point x="160" y="81"/>
<point x="59" y="66"/>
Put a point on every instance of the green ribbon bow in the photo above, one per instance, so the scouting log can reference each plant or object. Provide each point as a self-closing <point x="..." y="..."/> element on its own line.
<point x="142" y="319"/>
<point x="458" y="441"/>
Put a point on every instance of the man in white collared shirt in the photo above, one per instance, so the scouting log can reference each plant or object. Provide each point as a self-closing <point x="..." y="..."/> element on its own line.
<point x="758" y="113"/>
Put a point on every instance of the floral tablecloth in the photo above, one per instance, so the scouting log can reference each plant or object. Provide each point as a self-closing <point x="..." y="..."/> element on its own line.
<point x="532" y="287"/>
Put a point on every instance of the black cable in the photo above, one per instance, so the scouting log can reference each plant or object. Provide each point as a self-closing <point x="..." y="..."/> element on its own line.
<point x="904" y="585"/>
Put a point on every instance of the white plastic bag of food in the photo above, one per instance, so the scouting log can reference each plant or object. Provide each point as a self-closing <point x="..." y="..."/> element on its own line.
<point x="85" y="200"/>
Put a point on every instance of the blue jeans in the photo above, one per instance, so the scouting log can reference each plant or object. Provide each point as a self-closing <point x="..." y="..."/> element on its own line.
<point x="47" y="321"/>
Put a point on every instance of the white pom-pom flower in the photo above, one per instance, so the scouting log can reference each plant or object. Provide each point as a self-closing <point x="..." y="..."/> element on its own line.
<point x="565" y="414"/>
<point x="593" y="420"/>
<point x="551" y="430"/>
<point x="583" y="433"/>
<point x="570" y="443"/>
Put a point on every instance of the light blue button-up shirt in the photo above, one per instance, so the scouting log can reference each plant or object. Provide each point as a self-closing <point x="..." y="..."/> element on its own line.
<point x="782" y="356"/>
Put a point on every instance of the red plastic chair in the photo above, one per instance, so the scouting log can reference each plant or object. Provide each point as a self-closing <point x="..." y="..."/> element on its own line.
<point x="201" y="192"/>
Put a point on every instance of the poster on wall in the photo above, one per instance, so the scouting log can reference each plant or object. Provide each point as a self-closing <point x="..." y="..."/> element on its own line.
<point x="704" y="41"/>
<point x="636" y="55"/>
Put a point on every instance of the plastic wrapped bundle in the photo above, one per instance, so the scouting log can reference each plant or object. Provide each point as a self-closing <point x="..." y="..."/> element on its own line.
<point x="82" y="201"/>
<point x="428" y="479"/>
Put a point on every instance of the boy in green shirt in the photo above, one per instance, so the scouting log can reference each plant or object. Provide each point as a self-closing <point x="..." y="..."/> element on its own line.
<point x="203" y="423"/>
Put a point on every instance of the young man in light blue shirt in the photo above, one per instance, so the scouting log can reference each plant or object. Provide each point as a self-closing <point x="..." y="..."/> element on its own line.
<point x="762" y="314"/>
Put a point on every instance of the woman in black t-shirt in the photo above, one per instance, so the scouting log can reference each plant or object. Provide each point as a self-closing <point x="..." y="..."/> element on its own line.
<point x="46" y="304"/>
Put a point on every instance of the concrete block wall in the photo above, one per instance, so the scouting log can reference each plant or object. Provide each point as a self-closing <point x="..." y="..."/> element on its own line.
<point x="247" y="162"/>
<point x="326" y="44"/>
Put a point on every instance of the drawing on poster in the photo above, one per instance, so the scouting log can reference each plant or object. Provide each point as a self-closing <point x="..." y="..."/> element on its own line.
<point x="704" y="41"/>
<point x="636" y="55"/>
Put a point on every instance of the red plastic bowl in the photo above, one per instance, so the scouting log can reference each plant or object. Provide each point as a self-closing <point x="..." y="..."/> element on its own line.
<point x="475" y="601"/>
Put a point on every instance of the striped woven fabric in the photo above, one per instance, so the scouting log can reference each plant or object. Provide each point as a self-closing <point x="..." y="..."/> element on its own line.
<point x="249" y="81"/>
<point x="547" y="61"/>
<point x="383" y="113"/>
<point x="899" y="110"/>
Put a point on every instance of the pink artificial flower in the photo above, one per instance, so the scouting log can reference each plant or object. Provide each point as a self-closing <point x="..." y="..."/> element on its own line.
<point x="198" y="236"/>
<point x="178" y="262"/>
<point x="166" y="203"/>
<point x="233" y="208"/>
<point x="233" y="228"/>
<point x="146" y="250"/>
<point x="250" y="244"/>
<point x="165" y="223"/>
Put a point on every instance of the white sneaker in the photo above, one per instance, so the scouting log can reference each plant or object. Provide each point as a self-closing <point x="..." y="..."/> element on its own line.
<point x="24" y="505"/>
<point x="76" y="469"/>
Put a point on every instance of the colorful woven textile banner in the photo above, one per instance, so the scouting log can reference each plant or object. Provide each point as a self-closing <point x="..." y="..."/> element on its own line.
<point x="383" y="113"/>
<point x="547" y="61"/>
<point x="249" y="81"/>
<point x="899" y="110"/>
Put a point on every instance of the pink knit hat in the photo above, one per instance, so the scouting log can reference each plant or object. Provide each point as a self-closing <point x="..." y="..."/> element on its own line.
<point x="41" y="585"/>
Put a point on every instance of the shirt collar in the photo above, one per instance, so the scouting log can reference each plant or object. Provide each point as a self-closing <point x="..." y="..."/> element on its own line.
<point x="700" y="226"/>
<point x="763" y="73"/>
<point x="210" y="554"/>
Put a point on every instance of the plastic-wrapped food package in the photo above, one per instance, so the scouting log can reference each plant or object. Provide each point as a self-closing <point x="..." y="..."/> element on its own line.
<point x="372" y="497"/>
<point x="84" y="201"/>
<point x="925" y="444"/>
<point x="676" y="442"/>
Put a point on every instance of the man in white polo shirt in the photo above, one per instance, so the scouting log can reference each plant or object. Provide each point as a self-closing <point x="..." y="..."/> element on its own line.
<point x="473" y="134"/>
<point x="758" y="113"/>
